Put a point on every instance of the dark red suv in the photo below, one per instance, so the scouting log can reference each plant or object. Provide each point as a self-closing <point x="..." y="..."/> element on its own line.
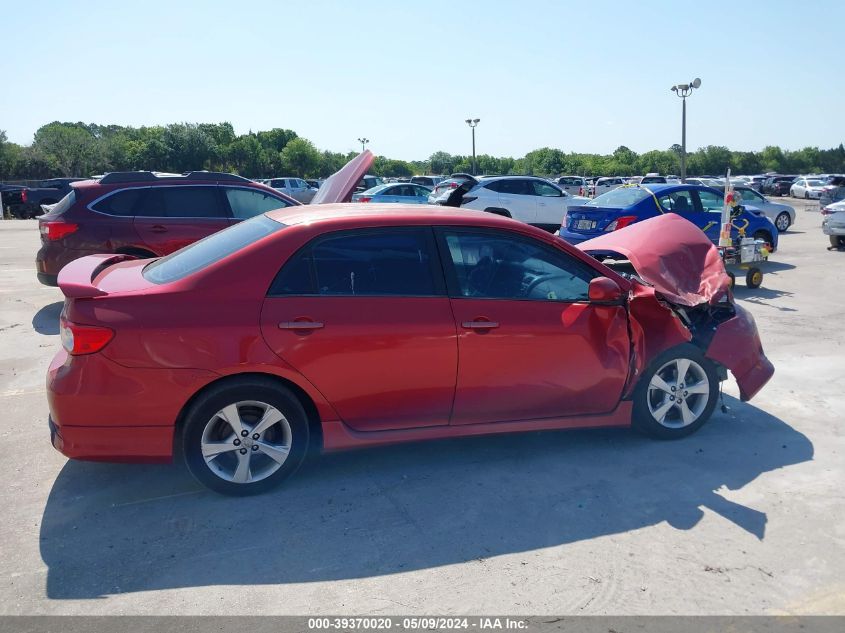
<point x="146" y="214"/>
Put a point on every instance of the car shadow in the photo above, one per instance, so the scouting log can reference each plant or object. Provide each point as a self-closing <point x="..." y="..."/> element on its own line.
<point x="111" y="529"/>
<point x="46" y="320"/>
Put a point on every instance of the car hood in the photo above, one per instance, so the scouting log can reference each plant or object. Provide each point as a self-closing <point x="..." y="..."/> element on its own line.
<point x="340" y="185"/>
<point x="671" y="254"/>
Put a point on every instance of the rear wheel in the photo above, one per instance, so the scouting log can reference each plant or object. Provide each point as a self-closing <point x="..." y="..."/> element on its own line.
<point x="676" y="394"/>
<point x="806" y="195"/>
<point x="245" y="437"/>
<point x="782" y="222"/>
<point x="837" y="241"/>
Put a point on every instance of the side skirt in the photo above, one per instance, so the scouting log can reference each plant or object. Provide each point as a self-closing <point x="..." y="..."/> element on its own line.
<point x="337" y="436"/>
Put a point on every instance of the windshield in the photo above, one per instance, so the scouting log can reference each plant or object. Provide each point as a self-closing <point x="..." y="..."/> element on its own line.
<point x="619" y="198"/>
<point x="213" y="248"/>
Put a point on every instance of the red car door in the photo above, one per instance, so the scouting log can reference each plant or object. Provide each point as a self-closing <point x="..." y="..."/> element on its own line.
<point x="364" y="316"/>
<point x="170" y="217"/>
<point x="530" y="344"/>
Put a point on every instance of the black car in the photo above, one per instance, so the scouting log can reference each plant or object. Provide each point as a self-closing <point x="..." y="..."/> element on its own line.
<point x="26" y="202"/>
<point x="777" y="185"/>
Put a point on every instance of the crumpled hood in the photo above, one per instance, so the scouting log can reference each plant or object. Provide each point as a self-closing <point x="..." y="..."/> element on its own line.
<point x="673" y="255"/>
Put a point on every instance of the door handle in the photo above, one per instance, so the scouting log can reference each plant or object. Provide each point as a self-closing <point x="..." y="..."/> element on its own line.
<point x="479" y="325"/>
<point x="300" y="325"/>
<point x="158" y="228"/>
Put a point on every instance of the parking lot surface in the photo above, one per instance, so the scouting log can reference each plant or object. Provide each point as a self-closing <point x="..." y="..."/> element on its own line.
<point x="745" y="517"/>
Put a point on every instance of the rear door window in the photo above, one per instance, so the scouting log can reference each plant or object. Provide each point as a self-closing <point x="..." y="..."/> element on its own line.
<point x="182" y="202"/>
<point x="383" y="262"/>
<point x="122" y="203"/>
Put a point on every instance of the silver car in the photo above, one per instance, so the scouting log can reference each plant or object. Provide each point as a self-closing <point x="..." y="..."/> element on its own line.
<point x="781" y="215"/>
<point x="296" y="188"/>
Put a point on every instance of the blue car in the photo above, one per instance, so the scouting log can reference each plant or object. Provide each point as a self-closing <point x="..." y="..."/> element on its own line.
<point x="404" y="192"/>
<point x="625" y="205"/>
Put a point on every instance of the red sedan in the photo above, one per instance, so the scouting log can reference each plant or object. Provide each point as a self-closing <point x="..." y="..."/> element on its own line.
<point x="345" y="325"/>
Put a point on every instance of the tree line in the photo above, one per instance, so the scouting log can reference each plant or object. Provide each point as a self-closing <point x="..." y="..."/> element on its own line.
<point x="84" y="149"/>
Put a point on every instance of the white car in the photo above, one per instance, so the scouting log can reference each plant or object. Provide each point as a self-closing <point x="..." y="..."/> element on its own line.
<point x="603" y="185"/>
<point x="833" y="223"/>
<point x="576" y="185"/>
<point x="296" y="188"/>
<point x="781" y="215"/>
<point x="525" y="198"/>
<point x="806" y="188"/>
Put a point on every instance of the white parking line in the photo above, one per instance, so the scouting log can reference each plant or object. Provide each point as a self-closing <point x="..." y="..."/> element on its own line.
<point x="20" y="392"/>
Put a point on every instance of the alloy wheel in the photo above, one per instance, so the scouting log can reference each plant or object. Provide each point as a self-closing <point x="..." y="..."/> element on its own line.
<point x="678" y="393"/>
<point x="782" y="222"/>
<point x="246" y="441"/>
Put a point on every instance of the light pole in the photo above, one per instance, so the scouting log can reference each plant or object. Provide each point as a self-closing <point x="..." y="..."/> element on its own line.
<point x="683" y="91"/>
<point x="472" y="123"/>
<point x="363" y="141"/>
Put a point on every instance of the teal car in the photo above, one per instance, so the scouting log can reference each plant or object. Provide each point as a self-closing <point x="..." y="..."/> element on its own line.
<point x="404" y="192"/>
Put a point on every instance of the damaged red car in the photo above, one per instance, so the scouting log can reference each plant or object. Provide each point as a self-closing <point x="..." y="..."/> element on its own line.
<point x="338" y="326"/>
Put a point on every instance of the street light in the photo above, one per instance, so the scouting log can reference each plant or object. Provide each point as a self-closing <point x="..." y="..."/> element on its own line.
<point x="363" y="141"/>
<point x="683" y="91"/>
<point x="472" y="123"/>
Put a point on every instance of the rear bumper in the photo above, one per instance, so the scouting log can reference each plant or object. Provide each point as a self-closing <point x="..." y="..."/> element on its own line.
<point x="101" y="410"/>
<point x="48" y="280"/>
<point x="574" y="238"/>
<point x="117" y="444"/>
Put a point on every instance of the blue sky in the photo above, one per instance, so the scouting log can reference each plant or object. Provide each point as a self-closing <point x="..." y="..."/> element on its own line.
<point x="581" y="76"/>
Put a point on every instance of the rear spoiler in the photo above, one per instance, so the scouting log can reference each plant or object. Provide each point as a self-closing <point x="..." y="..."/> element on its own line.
<point x="76" y="279"/>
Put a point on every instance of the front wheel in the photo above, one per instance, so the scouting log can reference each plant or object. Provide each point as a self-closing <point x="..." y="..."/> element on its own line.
<point x="806" y="195"/>
<point x="837" y="241"/>
<point x="782" y="222"/>
<point x="245" y="437"/>
<point x="676" y="394"/>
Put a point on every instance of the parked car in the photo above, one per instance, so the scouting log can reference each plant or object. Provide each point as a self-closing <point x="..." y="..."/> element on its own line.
<point x="525" y="198"/>
<point x="777" y="185"/>
<point x="145" y="214"/>
<point x="603" y="185"/>
<point x="833" y="191"/>
<point x="25" y="202"/>
<point x="400" y="192"/>
<point x="296" y="188"/>
<point x="806" y="188"/>
<point x="833" y="223"/>
<point x="781" y="215"/>
<point x="625" y="206"/>
<point x="575" y="185"/>
<point x="368" y="182"/>
<point x="427" y="181"/>
<point x="653" y="179"/>
<point x="314" y="184"/>
<point x="343" y="328"/>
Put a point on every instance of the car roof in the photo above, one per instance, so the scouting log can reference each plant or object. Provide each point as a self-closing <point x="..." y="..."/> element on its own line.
<point x="362" y="214"/>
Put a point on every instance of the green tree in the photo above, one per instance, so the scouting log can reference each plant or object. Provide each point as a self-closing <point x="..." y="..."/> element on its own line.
<point x="300" y="158"/>
<point x="70" y="147"/>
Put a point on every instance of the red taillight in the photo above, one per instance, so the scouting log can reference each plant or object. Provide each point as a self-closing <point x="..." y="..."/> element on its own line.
<point x="23" y="195"/>
<point x="453" y="185"/>
<point x="365" y="199"/>
<point x="83" y="339"/>
<point x="827" y="211"/>
<point x="621" y="223"/>
<point x="57" y="230"/>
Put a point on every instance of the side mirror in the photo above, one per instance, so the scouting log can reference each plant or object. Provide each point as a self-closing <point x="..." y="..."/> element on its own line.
<point x="604" y="290"/>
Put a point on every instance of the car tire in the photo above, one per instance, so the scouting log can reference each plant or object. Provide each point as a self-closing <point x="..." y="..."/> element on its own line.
<point x="664" y="405"/>
<point x="806" y="195"/>
<point x="245" y="436"/>
<point x="783" y="222"/>
<point x="763" y="235"/>
<point x="837" y="241"/>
